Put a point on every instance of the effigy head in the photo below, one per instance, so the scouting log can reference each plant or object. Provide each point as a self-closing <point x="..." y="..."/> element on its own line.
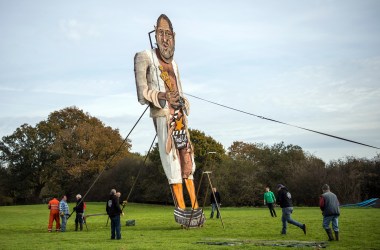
<point x="165" y="38"/>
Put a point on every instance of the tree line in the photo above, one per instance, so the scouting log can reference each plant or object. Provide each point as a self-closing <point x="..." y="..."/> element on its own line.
<point x="66" y="153"/>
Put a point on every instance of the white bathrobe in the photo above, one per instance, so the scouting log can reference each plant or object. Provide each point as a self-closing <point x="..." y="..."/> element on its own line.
<point x="148" y="85"/>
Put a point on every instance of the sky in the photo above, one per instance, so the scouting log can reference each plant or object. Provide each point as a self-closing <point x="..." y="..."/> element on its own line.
<point x="313" y="64"/>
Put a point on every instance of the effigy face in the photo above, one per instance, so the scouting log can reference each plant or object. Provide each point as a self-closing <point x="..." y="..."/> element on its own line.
<point x="165" y="40"/>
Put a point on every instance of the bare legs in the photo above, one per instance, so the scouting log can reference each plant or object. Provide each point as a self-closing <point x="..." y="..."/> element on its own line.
<point x="178" y="194"/>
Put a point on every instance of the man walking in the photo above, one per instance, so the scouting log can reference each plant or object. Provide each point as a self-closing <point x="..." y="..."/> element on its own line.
<point x="285" y="201"/>
<point x="329" y="204"/>
<point x="63" y="212"/>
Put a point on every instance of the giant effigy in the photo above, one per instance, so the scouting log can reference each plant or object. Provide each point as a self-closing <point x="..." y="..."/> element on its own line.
<point x="158" y="84"/>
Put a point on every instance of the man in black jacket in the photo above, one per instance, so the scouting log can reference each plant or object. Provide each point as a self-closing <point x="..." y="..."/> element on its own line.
<point x="285" y="201"/>
<point x="79" y="213"/>
<point x="113" y="210"/>
<point x="215" y="204"/>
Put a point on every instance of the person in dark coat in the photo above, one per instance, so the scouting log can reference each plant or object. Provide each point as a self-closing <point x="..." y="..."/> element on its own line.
<point x="285" y="201"/>
<point x="79" y="209"/>
<point x="215" y="202"/>
<point x="113" y="210"/>
<point x="329" y="204"/>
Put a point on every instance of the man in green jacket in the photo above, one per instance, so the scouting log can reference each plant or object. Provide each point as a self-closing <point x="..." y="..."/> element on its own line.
<point x="270" y="200"/>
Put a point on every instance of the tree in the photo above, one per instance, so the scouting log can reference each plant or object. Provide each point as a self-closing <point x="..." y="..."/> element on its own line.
<point x="84" y="146"/>
<point x="354" y="180"/>
<point x="153" y="177"/>
<point x="60" y="155"/>
<point x="203" y="145"/>
<point x="371" y="184"/>
<point x="5" y="198"/>
<point x="27" y="161"/>
<point x="306" y="183"/>
<point x="264" y="165"/>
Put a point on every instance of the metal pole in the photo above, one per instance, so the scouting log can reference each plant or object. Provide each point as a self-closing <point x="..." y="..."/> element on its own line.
<point x="150" y="39"/>
<point x="217" y="204"/>
<point x="204" y="200"/>
<point x="107" y="221"/>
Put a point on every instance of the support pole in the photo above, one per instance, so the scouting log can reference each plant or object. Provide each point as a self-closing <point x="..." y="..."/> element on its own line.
<point x="210" y="185"/>
<point x="217" y="204"/>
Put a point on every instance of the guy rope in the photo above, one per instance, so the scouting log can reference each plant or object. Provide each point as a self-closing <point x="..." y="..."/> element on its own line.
<point x="284" y="123"/>
<point x="137" y="177"/>
<point x="110" y="159"/>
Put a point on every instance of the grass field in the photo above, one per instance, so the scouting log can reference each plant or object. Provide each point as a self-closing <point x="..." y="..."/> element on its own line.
<point x="25" y="227"/>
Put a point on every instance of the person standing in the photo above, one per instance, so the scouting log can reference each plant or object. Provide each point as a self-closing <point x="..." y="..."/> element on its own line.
<point x="54" y="214"/>
<point x="215" y="202"/>
<point x="63" y="212"/>
<point x="270" y="200"/>
<point x="79" y="209"/>
<point x="122" y="203"/>
<point x="285" y="201"/>
<point x="329" y="204"/>
<point x="113" y="210"/>
<point x="118" y="195"/>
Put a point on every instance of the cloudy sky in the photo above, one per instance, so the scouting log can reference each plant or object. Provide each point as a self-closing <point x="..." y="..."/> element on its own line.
<point x="314" y="64"/>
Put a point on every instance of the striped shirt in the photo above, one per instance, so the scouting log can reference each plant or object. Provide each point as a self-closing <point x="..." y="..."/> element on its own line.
<point x="63" y="207"/>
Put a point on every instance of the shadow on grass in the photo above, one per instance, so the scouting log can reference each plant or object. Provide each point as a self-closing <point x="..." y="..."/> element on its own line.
<point x="274" y="243"/>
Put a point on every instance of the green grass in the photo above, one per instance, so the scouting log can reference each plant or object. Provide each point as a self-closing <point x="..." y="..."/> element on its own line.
<point x="25" y="227"/>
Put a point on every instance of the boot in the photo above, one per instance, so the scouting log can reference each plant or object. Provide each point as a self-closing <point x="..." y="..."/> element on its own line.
<point x="191" y="190"/>
<point x="178" y="195"/>
<point x="336" y="235"/>
<point x="329" y="233"/>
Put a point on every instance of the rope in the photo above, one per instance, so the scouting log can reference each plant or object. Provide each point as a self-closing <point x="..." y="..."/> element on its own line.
<point x="110" y="159"/>
<point x="284" y="123"/>
<point x="138" y="174"/>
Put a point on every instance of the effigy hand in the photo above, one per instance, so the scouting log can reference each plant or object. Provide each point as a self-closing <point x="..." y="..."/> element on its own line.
<point x="172" y="98"/>
<point x="175" y="100"/>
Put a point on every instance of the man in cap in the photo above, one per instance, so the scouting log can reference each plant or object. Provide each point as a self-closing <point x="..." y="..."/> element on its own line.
<point x="285" y="201"/>
<point x="329" y="204"/>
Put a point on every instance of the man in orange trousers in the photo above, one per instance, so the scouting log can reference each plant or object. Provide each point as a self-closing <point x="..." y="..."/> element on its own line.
<point x="54" y="215"/>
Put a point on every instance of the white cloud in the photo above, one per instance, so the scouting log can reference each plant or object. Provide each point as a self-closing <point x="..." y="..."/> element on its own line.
<point x="10" y="89"/>
<point x="76" y="30"/>
<point x="311" y="64"/>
